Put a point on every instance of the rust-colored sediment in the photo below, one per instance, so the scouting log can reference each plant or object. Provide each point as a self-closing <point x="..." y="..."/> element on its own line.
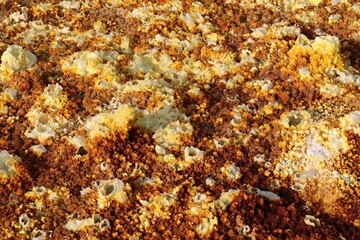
<point x="240" y="120"/>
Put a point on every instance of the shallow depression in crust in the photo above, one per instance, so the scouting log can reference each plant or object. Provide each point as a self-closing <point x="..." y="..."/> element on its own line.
<point x="82" y="151"/>
<point x="104" y="166"/>
<point x="105" y="223"/>
<point x="107" y="189"/>
<point x="24" y="220"/>
<point x="97" y="218"/>
<point x="39" y="235"/>
<point x="39" y="190"/>
<point x="295" y="119"/>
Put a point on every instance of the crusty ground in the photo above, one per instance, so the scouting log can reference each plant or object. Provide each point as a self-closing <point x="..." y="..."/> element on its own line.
<point x="67" y="170"/>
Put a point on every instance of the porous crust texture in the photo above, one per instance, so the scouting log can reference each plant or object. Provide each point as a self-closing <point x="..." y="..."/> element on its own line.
<point x="169" y="119"/>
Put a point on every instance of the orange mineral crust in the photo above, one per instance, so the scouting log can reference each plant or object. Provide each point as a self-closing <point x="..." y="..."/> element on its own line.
<point x="180" y="119"/>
